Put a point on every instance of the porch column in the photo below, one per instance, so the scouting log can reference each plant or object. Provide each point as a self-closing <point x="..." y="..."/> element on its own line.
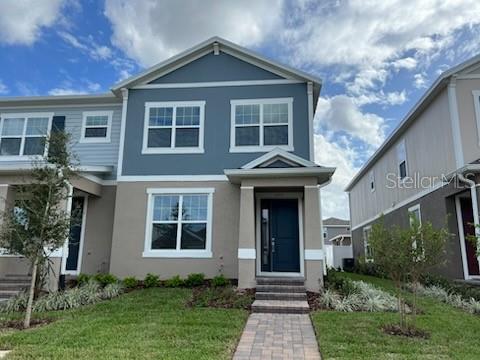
<point x="246" y="239"/>
<point x="314" y="257"/>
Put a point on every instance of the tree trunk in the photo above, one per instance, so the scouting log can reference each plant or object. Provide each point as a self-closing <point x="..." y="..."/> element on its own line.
<point x="28" y="311"/>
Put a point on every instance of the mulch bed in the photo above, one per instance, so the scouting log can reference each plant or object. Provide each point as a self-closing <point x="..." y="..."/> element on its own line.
<point x="410" y="331"/>
<point x="313" y="299"/>
<point x="221" y="297"/>
<point x="18" y="324"/>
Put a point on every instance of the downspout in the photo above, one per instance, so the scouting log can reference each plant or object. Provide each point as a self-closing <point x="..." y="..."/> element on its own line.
<point x="473" y="194"/>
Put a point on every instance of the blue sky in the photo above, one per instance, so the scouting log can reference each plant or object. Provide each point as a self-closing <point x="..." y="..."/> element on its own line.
<point x="376" y="58"/>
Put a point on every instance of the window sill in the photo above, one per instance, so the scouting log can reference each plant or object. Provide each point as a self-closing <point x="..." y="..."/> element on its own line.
<point x="173" y="151"/>
<point x="245" y="149"/>
<point x="201" y="254"/>
<point x="21" y="157"/>
<point x="94" y="140"/>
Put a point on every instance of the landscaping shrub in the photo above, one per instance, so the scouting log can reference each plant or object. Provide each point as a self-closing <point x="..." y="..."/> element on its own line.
<point x="151" y="280"/>
<point x="83" y="279"/>
<point x="175" y="281"/>
<point x="193" y="280"/>
<point x="220" y="280"/>
<point x="364" y="267"/>
<point x="333" y="280"/>
<point x="105" y="279"/>
<point x="130" y="282"/>
<point x="361" y="297"/>
<point x="88" y="293"/>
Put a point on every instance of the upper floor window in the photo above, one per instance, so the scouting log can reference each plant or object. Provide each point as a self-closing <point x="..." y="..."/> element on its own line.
<point x="402" y="160"/>
<point x="24" y="134"/>
<point x="96" y="126"/>
<point x="179" y="223"/>
<point x="261" y="125"/>
<point x="371" y="178"/>
<point x="173" y="127"/>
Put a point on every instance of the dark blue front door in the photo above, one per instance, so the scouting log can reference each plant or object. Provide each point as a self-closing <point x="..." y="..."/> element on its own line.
<point x="280" y="235"/>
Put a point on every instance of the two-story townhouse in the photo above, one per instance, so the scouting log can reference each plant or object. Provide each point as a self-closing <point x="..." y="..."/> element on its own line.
<point x="428" y="167"/>
<point x="202" y="163"/>
<point x="336" y="231"/>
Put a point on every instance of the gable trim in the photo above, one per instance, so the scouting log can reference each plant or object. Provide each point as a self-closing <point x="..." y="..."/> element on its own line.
<point x="217" y="84"/>
<point x="278" y="153"/>
<point x="206" y="47"/>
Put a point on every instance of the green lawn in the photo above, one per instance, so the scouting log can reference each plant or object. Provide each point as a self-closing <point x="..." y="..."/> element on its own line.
<point x="454" y="333"/>
<point x="144" y="324"/>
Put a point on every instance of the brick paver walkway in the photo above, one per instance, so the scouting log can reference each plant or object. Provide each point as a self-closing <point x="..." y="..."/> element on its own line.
<point x="278" y="336"/>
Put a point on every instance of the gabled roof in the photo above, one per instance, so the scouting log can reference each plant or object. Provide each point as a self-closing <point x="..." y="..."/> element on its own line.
<point x="279" y="154"/>
<point x="216" y="44"/>
<point x="332" y="221"/>
<point x="296" y="167"/>
<point x="441" y="82"/>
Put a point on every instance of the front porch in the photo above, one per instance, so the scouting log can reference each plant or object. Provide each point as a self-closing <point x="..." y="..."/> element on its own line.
<point x="280" y="227"/>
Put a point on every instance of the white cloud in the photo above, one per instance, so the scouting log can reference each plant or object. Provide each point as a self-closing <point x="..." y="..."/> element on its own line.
<point x="420" y="81"/>
<point x="408" y="63"/>
<point x="68" y="89"/>
<point x="3" y="88"/>
<point x="331" y="153"/>
<point x="87" y="45"/>
<point x="150" y="31"/>
<point x="341" y="113"/>
<point x="22" y="21"/>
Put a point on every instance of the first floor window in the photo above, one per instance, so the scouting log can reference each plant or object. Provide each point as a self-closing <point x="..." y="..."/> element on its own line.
<point x="179" y="222"/>
<point x="261" y="124"/>
<point x="366" y="242"/>
<point x="24" y="134"/>
<point x="96" y="126"/>
<point x="173" y="127"/>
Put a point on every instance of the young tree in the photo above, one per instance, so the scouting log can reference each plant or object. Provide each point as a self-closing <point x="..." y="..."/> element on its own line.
<point x="406" y="254"/>
<point x="41" y="222"/>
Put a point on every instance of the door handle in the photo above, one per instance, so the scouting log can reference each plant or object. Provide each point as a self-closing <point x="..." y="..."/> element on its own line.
<point x="273" y="244"/>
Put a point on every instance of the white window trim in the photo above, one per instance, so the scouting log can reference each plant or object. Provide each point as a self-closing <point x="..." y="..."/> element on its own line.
<point x="177" y="253"/>
<point x="414" y="208"/>
<point x="476" y="103"/>
<point x="261" y="147"/>
<point x="172" y="149"/>
<point x="48" y="115"/>
<point x="404" y="144"/>
<point x="365" y="242"/>
<point x="106" y="139"/>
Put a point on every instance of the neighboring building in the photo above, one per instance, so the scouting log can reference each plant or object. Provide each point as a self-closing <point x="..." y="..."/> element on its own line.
<point x="426" y="167"/>
<point x="337" y="241"/>
<point x="336" y="231"/>
<point x="202" y="163"/>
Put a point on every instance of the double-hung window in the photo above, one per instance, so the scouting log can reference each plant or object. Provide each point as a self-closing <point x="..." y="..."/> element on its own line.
<point x="96" y="126"/>
<point x="261" y="124"/>
<point x="173" y="127"/>
<point x="24" y="134"/>
<point x="179" y="223"/>
<point x="402" y="160"/>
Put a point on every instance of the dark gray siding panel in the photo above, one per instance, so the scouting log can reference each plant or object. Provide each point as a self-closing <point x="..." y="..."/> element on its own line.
<point x="220" y="67"/>
<point x="438" y="208"/>
<point x="217" y="129"/>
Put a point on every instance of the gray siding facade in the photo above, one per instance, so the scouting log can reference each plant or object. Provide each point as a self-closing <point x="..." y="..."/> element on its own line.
<point x="86" y="153"/>
<point x="221" y="67"/>
<point x="438" y="208"/>
<point x="216" y="157"/>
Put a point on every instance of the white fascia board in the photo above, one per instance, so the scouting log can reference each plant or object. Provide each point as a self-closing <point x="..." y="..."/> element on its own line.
<point x="278" y="152"/>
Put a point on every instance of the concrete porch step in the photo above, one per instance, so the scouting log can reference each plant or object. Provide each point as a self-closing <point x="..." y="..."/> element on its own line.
<point x="280" y="296"/>
<point x="280" y="306"/>
<point x="6" y="294"/>
<point x="14" y="285"/>
<point x="291" y="281"/>
<point x="12" y="280"/>
<point x="281" y="288"/>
